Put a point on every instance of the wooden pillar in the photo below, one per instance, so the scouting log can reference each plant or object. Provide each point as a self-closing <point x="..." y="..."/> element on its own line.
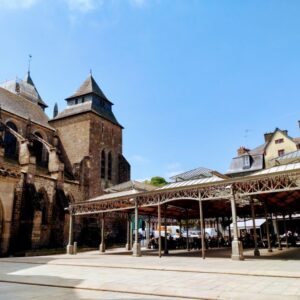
<point x="136" y="249"/>
<point x="128" y="244"/>
<point x="267" y="227"/>
<point x="256" y="250"/>
<point x="236" y="245"/>
<point x="159" y="229"/>
<point x="202" y="228"/>
<point x="102" y="244"/>
<point x="166" y="251"/>
<point x="70" y="246"/>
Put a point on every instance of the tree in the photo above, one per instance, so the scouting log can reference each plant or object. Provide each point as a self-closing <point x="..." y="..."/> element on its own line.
<point x="158" y="181"/>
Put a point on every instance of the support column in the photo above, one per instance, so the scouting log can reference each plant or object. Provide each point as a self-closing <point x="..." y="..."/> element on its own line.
<point x="268" y="228"/>
<point x="202" y="229"/>
<point x="70" y="246"/>
<point x="136" y="249"/>
<point x="159" y="230"/>
<point x="166" y="251"/>
<point x="187" y="231"/>
<point x="277" y="233"/>
<point x="256" y="250"/>
<point x="236" y="245"/>
<point x="128" y="245"/>
<point x="102" y="245"/>
<point x="148" y="224"/>
<point x="285" y="230"/>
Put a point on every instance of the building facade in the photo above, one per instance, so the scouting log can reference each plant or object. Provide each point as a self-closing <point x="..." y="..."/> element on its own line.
<point x="46" y="164"/>
<point x="277" y="145"/>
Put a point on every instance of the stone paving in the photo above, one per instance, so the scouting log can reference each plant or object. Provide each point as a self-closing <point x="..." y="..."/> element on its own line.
<point x="180" y="275"/>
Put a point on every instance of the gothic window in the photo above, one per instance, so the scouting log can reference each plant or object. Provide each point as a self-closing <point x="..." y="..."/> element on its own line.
<point x="10" y="142"/>
<point x="38" y="150"/>
<point x="109" y="169"/>
<point x="103" y="164"/>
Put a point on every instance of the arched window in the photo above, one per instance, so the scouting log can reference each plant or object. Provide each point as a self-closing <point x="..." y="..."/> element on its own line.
<point x="38" y="149"/>
<point x="103" y="164"/>
<point x="109" y="168"/>
<point x="10" y="142"/>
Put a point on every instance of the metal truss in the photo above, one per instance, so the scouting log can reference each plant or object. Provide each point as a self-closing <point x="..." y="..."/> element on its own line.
<point x="242" y="188"/>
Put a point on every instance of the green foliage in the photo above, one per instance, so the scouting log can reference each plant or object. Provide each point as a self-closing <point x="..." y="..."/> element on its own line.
<point x="157" y="181"/>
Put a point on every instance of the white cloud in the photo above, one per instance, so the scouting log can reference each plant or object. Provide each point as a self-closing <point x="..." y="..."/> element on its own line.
<point x="16" y="4"/>
<point x="173" y="169"/>
<point x="84" y="6"/>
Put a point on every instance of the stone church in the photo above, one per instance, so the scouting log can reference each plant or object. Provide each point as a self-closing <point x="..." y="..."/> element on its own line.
<point x="46" y="164"/>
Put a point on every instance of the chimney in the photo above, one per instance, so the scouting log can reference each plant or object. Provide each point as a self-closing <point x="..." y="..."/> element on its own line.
<point x="242" y="150"/>
<point x="268" y="137"/>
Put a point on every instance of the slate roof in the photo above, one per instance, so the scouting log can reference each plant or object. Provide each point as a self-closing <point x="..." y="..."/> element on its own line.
<point x="25" y="88"/>
<point x="87" y="107"/>
<point x="23" y="108"/>
<point x="89" y="86"/>
<point x="237" y="164"/>
<point x="198" y="173"/>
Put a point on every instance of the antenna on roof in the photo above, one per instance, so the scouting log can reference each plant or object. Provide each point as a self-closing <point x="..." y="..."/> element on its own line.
<point x="29" y="62"/>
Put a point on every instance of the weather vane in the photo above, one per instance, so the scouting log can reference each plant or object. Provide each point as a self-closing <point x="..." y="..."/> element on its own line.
<point x="29" y="62"/>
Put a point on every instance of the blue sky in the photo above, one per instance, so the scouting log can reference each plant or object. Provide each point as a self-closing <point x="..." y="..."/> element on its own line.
<point x="191" y="80"/>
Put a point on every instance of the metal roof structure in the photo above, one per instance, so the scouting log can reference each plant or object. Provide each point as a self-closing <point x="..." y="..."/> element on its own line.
<point x="191" y="182"/>
<point x="272" y="187"/>
<point x="278" y="169"/>
<point x="197" y="173"/>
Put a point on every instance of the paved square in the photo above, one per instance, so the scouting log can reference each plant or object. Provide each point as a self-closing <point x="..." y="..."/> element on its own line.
<point x="180" y="275"/>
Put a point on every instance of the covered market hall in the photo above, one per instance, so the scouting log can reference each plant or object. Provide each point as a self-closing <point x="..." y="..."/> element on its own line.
<point x="271" y="193"/>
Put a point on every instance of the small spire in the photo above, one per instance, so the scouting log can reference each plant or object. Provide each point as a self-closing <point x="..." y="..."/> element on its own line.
<point x="55" y="110"/>
<point x="29" y="62"/>
<point x="91" y="72"/>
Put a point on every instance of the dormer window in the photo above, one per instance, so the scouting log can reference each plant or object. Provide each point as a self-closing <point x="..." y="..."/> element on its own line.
<point x="246" y="162"/>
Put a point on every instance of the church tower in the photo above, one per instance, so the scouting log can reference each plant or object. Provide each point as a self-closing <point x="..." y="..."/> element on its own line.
<point x="91" y="140"/>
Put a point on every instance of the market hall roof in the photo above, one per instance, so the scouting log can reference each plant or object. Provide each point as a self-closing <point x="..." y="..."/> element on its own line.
<point x="197" y="173"/>
<point x="22" y="107"/>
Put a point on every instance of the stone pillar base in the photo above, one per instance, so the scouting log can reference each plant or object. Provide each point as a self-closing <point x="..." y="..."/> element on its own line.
<point x="128" y="247"/>
<point x="102" y="248"/>
<point x="256" y="252"/>
<point x="70" y="249"/>
<point x="237" y="250"/>
<point x="136" y="249"/>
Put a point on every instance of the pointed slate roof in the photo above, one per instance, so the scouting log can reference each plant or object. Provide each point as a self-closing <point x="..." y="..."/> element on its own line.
<point x="89" y="86"/>
<point x="28" y="80"/>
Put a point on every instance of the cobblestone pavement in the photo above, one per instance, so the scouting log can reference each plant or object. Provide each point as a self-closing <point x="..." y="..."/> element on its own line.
<point x="182" y="275"/>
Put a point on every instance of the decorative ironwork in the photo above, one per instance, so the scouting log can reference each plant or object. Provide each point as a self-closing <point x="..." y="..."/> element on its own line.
<point x="242" y="187"/>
